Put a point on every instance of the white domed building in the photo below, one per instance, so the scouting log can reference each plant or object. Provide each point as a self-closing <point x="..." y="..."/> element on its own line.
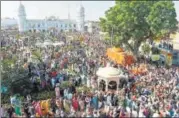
<point x="51" y="22"/>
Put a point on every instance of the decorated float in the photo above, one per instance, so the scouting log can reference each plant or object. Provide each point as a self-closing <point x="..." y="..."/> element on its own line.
<point x="119" y="56"/>
<point x="123" y="58"/>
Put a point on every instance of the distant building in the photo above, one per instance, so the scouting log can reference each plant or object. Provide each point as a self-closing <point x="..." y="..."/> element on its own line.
<point x="175" y="42"/>
<point x="92" y="26"/>
<point x="8" y="23"/>
<point x="51" y="22"/>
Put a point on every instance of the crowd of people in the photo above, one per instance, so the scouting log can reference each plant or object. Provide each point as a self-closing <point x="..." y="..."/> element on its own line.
<point x="155" y="94"/>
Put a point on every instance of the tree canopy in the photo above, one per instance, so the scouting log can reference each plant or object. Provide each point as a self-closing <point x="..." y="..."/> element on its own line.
<point x="138" y="21"/>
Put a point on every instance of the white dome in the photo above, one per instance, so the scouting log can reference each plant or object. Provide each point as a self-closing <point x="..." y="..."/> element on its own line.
<point x="108" y="72"/>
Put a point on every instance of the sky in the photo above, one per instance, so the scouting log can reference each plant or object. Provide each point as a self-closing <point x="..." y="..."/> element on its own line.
<point x="40" y="9"/>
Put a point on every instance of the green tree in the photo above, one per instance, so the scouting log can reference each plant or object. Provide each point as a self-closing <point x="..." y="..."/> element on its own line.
<point x="8" y="63"/>
<point x="146" y="48"/>
<point x="132" y="22"/>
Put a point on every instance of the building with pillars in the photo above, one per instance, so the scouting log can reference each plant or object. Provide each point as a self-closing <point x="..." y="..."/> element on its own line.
<point x="33" y="25"/>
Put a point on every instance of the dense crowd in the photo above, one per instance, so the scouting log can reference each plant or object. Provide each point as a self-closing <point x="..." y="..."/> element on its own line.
<point x="155" y="94"/>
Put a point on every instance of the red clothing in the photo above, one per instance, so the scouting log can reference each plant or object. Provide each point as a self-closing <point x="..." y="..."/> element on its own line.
<point x="75" y="104"/>
<point x="54" y="74"/>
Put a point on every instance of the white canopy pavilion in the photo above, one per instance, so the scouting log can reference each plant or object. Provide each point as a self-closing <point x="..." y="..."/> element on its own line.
<point x="109" y="74"/>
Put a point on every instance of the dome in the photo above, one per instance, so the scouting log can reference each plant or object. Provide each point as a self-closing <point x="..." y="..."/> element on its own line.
<point x="108" y="72"/>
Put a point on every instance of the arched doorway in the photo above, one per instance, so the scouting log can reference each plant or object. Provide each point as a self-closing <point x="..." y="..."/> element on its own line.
<point x="102" y="85"/>
<point x="112" y="85"/>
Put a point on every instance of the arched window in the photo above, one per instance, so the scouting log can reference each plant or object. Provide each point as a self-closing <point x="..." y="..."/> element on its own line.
<point x="38" y="25"/>
<point x="74" y="25"/>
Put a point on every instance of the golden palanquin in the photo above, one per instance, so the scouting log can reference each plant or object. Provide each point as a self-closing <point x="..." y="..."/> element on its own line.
<point x="119" y="56"/>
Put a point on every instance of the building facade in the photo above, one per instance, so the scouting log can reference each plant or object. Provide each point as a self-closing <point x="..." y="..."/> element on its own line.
<point x="25" y="25"/>
<point x="92" y="26"/>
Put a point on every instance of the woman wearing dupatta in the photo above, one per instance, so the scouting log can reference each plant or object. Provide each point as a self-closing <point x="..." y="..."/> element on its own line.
<point x="82" y="105"/>
<point x="38" y="108"/>
<point x="57" y="91"/>
<point x="75" y="104"/>
<point x="95" y="102"/>
<point x="66" y="106"/>
<point x="66" y="93"/>
<point x="69" y="96"/>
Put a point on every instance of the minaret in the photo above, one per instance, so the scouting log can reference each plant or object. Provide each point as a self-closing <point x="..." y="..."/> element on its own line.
<point x="21" y="18"/>
<point x="81" y="18"/>
<point x="68" y="13"/>
<point x="69" y="22"/>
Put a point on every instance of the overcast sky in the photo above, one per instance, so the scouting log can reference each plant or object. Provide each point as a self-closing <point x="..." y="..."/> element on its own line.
<point x="41" y="9"/>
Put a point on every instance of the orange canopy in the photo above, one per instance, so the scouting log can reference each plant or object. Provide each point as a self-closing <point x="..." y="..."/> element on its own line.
<point x="119" y="56"/>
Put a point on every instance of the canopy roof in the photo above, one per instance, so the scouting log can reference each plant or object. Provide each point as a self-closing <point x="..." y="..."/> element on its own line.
<point x="108" y="72"/>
